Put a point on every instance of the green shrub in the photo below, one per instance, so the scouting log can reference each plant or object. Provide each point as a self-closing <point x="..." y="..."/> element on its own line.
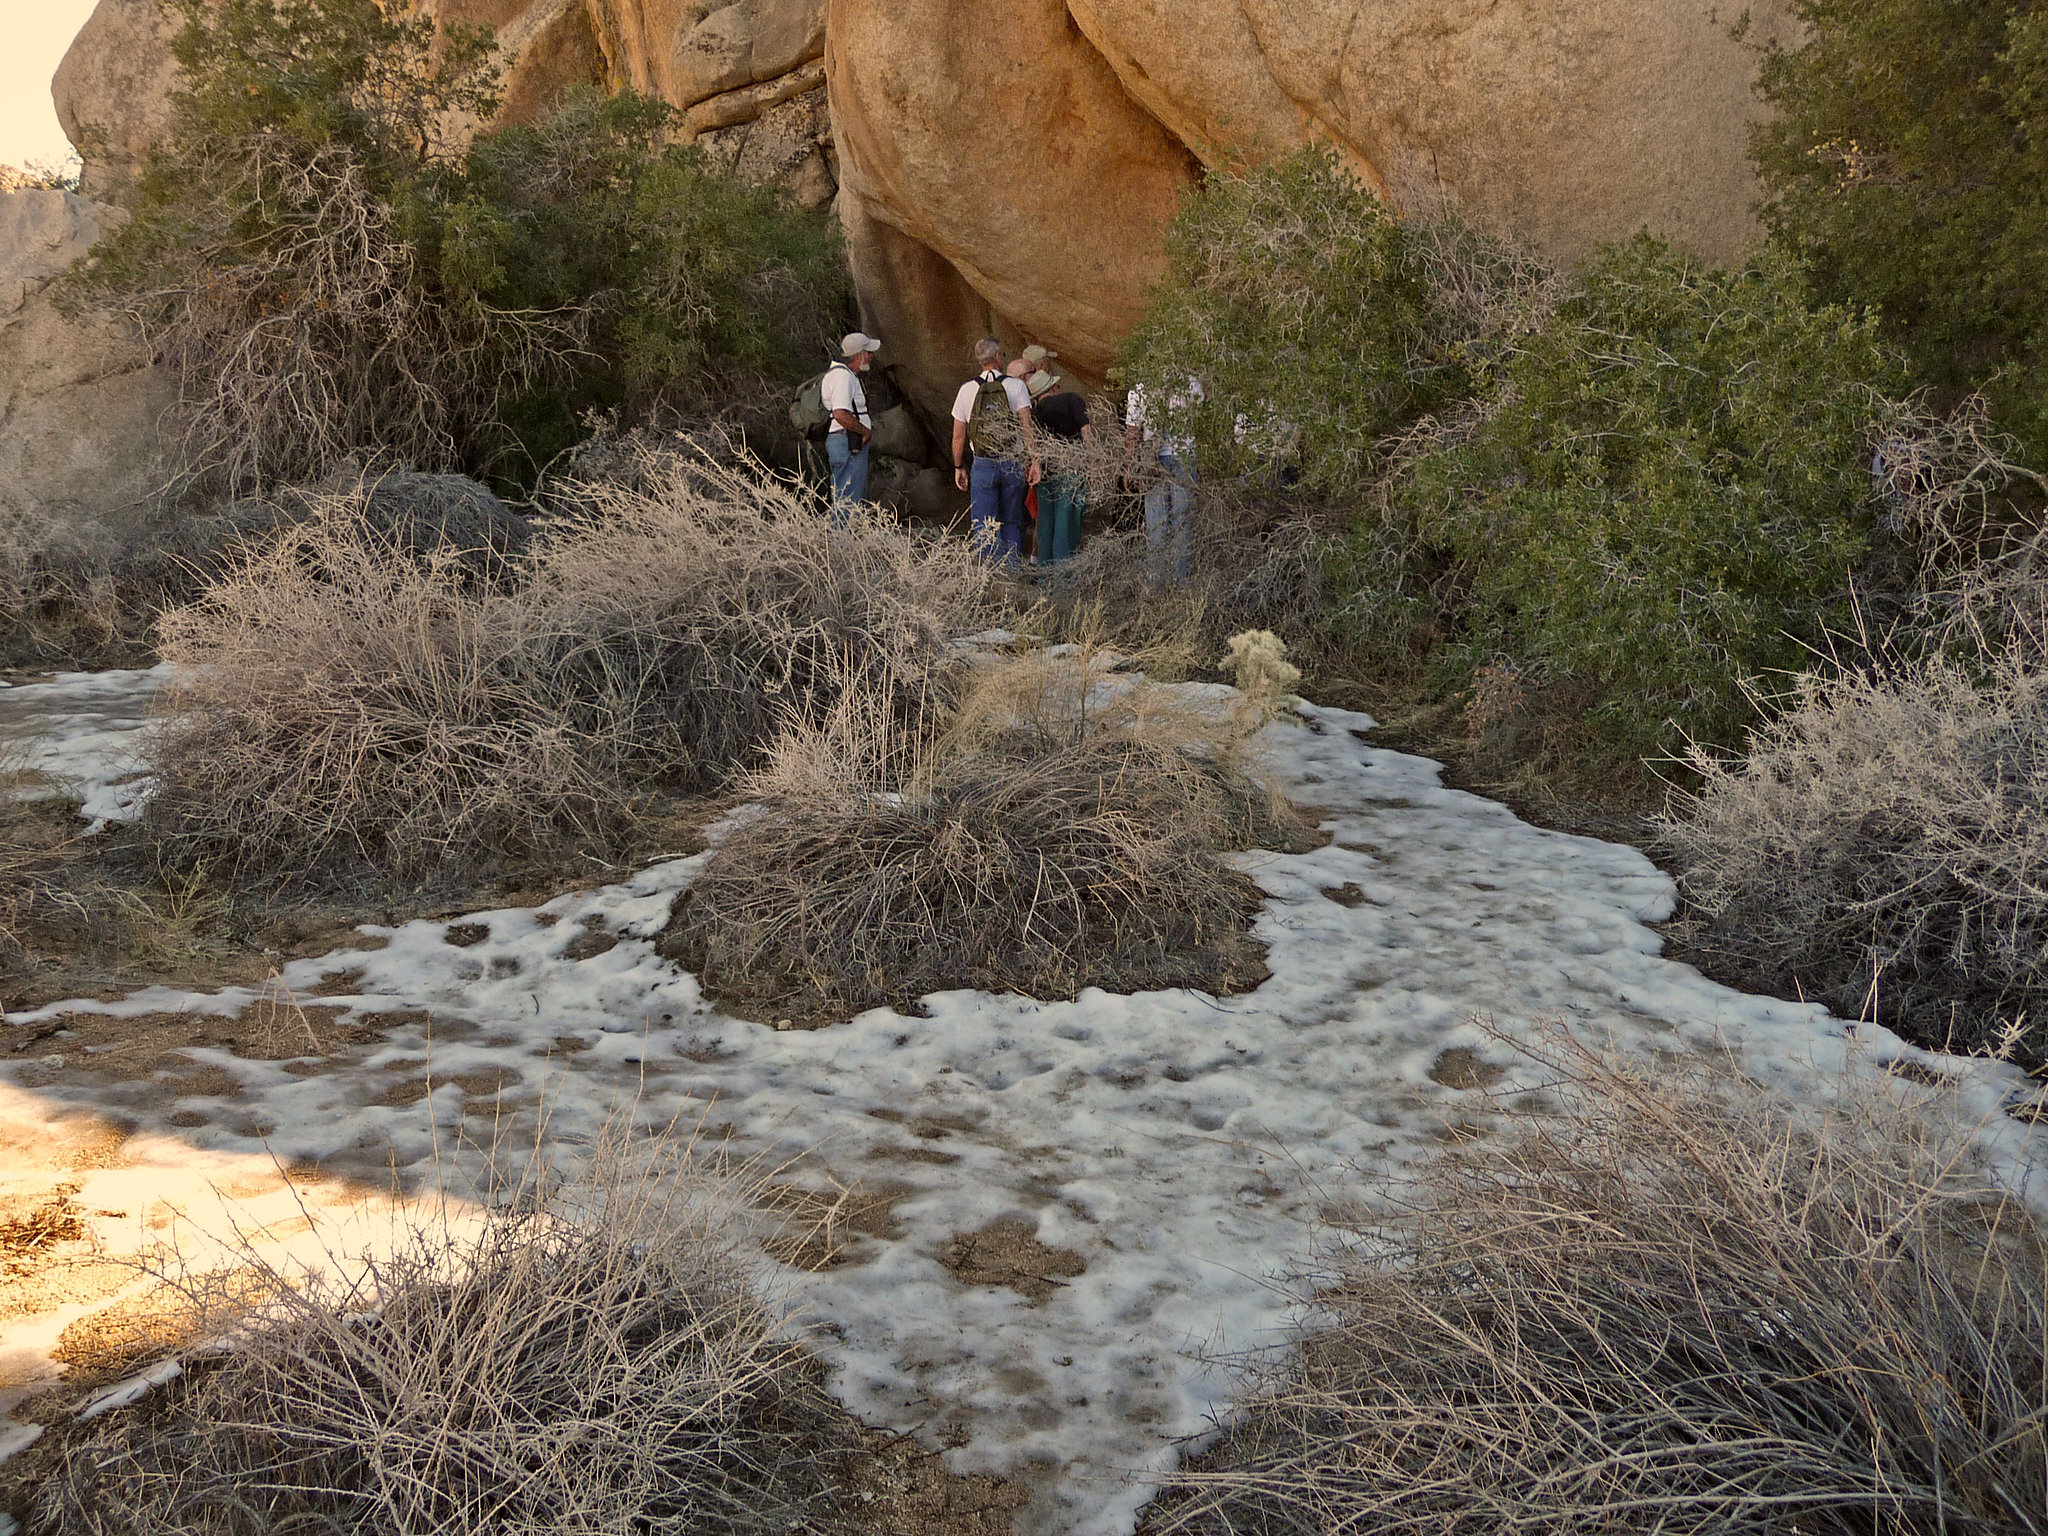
<point x="1906" y="162"/>
<point x="694" y="283"/>
<point x="331" y="276"/>
<point x="1666" y="494"/>
<point x="379" y="81"/>
<point x="1293" y="294"/>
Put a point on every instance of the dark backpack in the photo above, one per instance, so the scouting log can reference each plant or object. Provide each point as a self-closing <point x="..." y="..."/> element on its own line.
<point x="991" y="427"/>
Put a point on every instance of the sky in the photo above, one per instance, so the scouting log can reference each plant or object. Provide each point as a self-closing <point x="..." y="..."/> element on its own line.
<point x="37" y="32"/>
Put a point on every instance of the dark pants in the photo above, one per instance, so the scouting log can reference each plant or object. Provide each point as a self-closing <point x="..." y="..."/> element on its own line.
<point x="1062" y="503"/>
<point x="997" y="486"/>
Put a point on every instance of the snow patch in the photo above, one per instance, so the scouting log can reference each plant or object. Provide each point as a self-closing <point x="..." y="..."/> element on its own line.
<point x="132" y="1390"/>
<point x="1185" y="1148"/>
<point x="80" y="735"/>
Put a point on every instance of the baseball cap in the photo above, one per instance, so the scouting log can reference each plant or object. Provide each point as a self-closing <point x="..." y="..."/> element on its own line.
<point x="1037" y="354"/>
<point x="856" y="342"/>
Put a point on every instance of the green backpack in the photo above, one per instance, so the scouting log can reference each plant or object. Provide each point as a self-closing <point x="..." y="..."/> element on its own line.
<point x="807" y="411"/>
<point x="992" y="429"/>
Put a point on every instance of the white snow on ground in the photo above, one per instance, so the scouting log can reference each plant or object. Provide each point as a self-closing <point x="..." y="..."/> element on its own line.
<point x="1185" y="1147"/>
<point x="78" y="734"/>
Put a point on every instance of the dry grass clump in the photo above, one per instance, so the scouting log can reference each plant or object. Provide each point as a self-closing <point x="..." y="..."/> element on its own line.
<point x="593" y="1360"/>
<point x="1884" y="847"/>
<point x="1685" y="1306"/>
<point x="341" y="701"/>
<point x="1064" y="831"/>
<point x="349" y="697"/>
<point x="74" y="604"/>
<point x="1255" y="565"/>
<point x="33" y="891"/>
<point x="706" y="606"/>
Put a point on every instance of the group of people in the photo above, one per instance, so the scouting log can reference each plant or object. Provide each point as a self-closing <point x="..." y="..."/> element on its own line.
<point x="1000" y="417"/>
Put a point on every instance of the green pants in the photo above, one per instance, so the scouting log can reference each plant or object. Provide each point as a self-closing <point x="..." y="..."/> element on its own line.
<point x="1062" y="502"/>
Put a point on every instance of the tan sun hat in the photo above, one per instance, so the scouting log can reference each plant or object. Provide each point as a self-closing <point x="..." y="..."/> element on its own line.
<point x="1039" y="355"/>
<point x="1040" y="382"/>
<point x="856" y="343"/>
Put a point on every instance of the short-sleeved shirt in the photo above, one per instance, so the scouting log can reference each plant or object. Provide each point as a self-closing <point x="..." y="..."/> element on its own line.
<point x="842" y="391"/>
<point x="1138" y="412"/>
<point x="963" y="403"/>
<point x="1061" y="412"/>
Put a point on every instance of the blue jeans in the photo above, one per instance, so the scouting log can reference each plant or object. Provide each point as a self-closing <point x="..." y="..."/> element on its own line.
<point x="1169" y="539"/>
<point x="997" y="486"/>
<point x="849" y="474"/>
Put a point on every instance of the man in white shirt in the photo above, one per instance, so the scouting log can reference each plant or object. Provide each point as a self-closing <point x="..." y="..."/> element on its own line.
<point x="995" y="480"/>
<point x="846" y="439"/>
<point x="1169" y="537"/>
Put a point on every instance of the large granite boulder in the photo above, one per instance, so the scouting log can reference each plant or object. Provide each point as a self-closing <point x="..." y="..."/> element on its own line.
<point x="79" y="399"/>
<point x="1008" y="166"/>
<point x="112" y="90"/>
<point x="1036" y="147"/>
<point x="1569" y="122"/>
<point x="998" y="139"/>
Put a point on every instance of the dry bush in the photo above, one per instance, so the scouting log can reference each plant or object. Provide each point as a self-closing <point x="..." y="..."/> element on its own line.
<point x="340" y="701"/>
<point x="1487" y="294"/>
<point x="1956" y="492"/>
<point x="1884" y="847"/>
<point x="700" y="607"/>
<point x="1686" y="1305"/>
<point x="62" y="603"/>
<point x="1266" y="678"/>
<point x="1255" y="565"/>
<point x="1064" y="831"/>
<point x="345" y="697"/>
<point x="1953" y="484"/>
<point x="297" y="349"/>
<point x="593" y="1359"/>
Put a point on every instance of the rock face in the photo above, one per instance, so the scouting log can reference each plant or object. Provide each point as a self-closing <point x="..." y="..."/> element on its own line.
<point x="1007" y="166"/>
<point x="112" y="90"/>
<point x="1035" y="147"/>
<point x="1569" y="122"/>
<point x="997" y="139"/>
<point x="747" y="75"/>
<point x="79" y="401"/>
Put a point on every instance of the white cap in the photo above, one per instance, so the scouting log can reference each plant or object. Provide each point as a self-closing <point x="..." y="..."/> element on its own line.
<point x="856" y="343"/>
